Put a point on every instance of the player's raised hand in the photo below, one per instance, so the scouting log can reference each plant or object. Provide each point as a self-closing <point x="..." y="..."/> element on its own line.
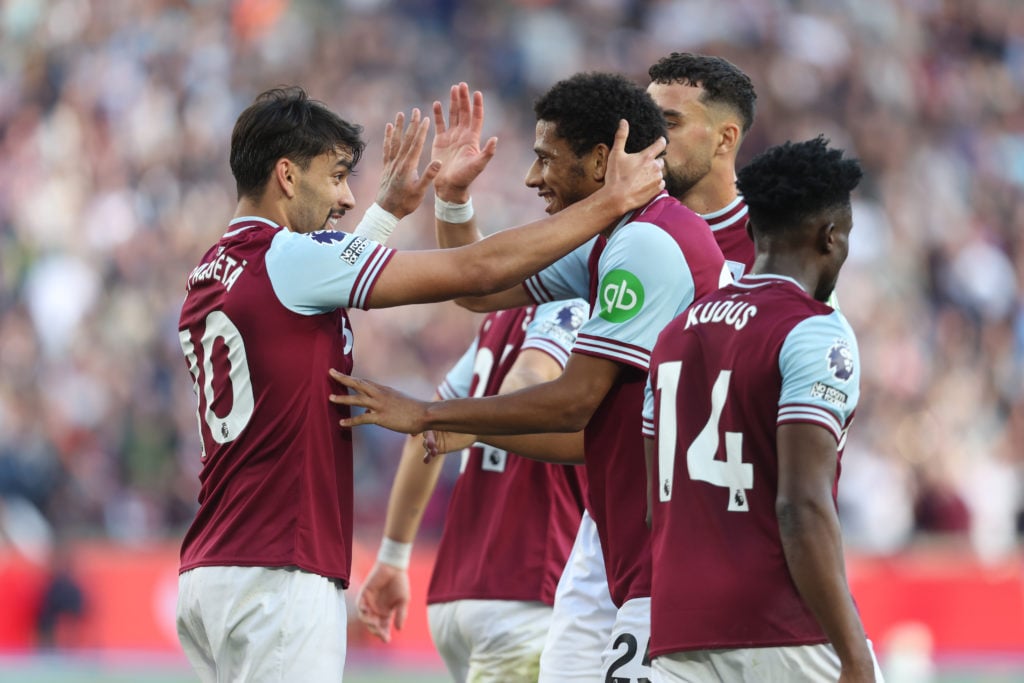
<point x="384" y="406"/>
<point x="401" y="185"/>
<point x="634" y="178"/>
<point x="457" y="144"/>
<point x="383" y="598"/>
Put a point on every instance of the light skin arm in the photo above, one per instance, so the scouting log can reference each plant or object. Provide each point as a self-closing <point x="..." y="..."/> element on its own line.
<point x="565" y="404"/>
<point x="508" y="257"/>
<point x="812" y="542"/>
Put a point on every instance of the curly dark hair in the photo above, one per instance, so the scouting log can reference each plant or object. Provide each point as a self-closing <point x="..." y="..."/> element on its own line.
<point x="787" y="183"/>
<point x="722" y="81"/>
<point x="286" y="123"/>
<point x="586" y="109"/>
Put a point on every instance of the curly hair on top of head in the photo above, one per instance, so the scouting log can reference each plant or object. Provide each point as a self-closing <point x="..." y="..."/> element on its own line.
<point x="586" y="109"/>
<point x="789" y="182"/>
<point x="722" y="81"/>
<point x="285" y="123"/>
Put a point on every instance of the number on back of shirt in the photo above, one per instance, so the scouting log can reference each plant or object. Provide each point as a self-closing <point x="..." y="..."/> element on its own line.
<point x="701" y="464"/>
<point x="208" y="387"/>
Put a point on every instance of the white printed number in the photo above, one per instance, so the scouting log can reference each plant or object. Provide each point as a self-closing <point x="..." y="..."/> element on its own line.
<point x="701" y="464"/>
<point x="224" y="428"/>
<point x="494" y="459"/>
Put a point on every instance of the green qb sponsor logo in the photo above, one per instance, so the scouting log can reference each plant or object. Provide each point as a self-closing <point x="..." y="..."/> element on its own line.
<point x="622" y="296"/>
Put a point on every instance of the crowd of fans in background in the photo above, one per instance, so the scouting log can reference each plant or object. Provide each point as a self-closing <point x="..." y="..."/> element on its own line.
<point x="115" y="119"/>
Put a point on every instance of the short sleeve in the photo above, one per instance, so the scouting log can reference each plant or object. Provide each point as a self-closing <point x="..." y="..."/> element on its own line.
<point x="566" y="278"/>
<point x="459" y="379"/>
<point x="316" y="272"/>
<point x="648" y="410"/>
<point x="554" y="327"/>
<point x="820" y="366"/>
<point x="645" y="282"/>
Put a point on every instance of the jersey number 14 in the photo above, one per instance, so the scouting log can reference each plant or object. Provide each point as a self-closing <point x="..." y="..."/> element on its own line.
<point x="701" y="464"/>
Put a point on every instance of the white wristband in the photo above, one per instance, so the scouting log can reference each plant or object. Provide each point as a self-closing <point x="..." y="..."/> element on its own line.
<point x="450" y="212"/>
<point x="394" y="553"/>
<point x="377" y="224"/>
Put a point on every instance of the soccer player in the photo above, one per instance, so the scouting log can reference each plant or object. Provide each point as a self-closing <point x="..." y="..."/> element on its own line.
<point x="510" y="521"/>
<point x="708" y="104"/>
<point x="751" y="393"/>
<point x="264" y="562"/>
<point x="637" y="276"/>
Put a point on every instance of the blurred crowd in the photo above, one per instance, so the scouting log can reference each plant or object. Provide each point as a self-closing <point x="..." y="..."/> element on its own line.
<point x="115" y="120"/>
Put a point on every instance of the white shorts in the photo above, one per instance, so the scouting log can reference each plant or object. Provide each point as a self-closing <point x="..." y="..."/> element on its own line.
<point x="796" y="664"/>
<point x="485" y="641"/>
<point x="625" y="654"/>
<point x="583" y="616"/>
<point x="262" y="625"/>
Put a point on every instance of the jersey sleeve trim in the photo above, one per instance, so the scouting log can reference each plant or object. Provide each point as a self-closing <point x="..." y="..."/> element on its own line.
<point x="627" y="354"/>
<point x="556" y="351"/>
<point x="647" y="428"/>
<point x="537" y="291"/>
<point x="446" y="391"/>
<point x="797" y="412"/>
<point x="367" y="278"/>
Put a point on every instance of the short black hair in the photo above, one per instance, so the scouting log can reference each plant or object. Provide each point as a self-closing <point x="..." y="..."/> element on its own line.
<point x="790" y="182"/>
<point x="586" y="109"/>
<point x="285" y="123"/>
<point x="722" y="81"/>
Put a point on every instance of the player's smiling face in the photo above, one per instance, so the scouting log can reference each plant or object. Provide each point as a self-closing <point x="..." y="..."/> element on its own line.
<point x="322" y="192"/>
<point x="558" y="175"/>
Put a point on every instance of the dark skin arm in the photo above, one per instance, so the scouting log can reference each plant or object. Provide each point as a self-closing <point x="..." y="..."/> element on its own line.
<point x="812" y="542"/>
<point x="565" y="404"/>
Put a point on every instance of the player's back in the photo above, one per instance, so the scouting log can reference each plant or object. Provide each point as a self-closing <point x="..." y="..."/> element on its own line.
<point x="511" y="521"/>
<point x="720" y="576"/>
<point x="276" y="465"/>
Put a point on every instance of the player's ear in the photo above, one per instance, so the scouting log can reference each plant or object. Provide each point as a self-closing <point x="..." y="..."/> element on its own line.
<point x="826" y="237"/>
<point x="285" y="175"/>
<point x="729" y="137"/>
<point x="598" y="162"/>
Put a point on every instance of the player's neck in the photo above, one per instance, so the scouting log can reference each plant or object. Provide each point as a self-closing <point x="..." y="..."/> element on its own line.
<point x="714" y="192"/>
<point x="791" y="264"/>
<point x="263" y="209"/>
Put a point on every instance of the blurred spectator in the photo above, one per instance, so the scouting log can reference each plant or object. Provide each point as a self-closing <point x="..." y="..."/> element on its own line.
<point x="114" y="117"/>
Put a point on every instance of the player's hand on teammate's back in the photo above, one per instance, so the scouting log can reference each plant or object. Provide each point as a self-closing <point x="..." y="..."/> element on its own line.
<point x="401" y="185"/>
<point x="457" y="145"/>
<point x="384" y="406"/>
<point x="384" y="597"/>
<point x="442" y="443"/>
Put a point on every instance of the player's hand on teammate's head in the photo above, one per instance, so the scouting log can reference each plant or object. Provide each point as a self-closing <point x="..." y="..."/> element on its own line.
<point x="383" y="597"/>
<point x="401" y="186"/>
<point x="638" y="177"/>
<point x="440" y="443"/>
<point x="457" y="144"/>
<point x="384" y="406"/>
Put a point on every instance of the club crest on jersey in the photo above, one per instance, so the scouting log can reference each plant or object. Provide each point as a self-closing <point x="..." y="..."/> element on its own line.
<point x="840" y="360"/>
<point x="621" y="296"/>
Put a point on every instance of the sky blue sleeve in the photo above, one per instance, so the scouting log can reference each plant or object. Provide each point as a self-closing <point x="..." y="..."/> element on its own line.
<point x="554" y="327"/>
<point x="566" y="278"/>
<point x="316" y="272"/>
<point x="820" y="367"/>
<point x="459" y="379"/>
<point x="645" y="281"/>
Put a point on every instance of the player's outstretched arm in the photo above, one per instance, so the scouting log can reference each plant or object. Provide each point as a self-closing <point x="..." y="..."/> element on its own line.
<point x="565" y="404"/>
<point x="812" y="542"/>
<point x="401" y="185"/>
<point x="506" y="258"/>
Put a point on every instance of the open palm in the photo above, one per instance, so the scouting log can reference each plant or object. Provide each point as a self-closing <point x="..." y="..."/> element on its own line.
<point x="457" y="144"/>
